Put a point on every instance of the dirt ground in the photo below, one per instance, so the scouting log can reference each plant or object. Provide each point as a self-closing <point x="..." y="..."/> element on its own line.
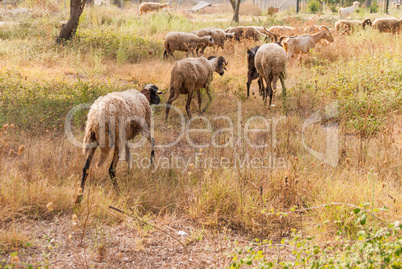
<point x="57" y="243"/>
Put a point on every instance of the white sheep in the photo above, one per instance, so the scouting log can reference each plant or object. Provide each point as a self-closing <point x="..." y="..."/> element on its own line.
<point x="217" y="34"/>
<point x="270" y="62"/>
<point x="349" y="26"/>
<point x="388" y="25"/>
<point x="151" y="6"/>
<point x="191" y="75"/>
<point x="304" y="43"/>
<point x="187" y="42"/>
<point x="345" y="12"/>
<point x="113" y="120"/>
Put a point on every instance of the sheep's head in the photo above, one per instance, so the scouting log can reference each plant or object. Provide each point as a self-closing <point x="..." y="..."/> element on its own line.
<point x="168" y="4"/>
<point x="220" y="66"/>
<point x="327" y="33"/>
<point x="366" y="21"/>
<point x="210" y="41"/>
<point x="151" y="93"/>
<point x="356" y="3"/>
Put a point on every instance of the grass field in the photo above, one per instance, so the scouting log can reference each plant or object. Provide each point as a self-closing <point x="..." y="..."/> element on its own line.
<point x="339" y="210"/>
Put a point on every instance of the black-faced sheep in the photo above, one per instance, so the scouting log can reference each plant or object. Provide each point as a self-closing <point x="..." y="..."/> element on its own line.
<point x="270" y="62"/>
<point x="345" y="12"/>
<point x="252" y="73"/>
<point x="387" y="25"/>
<point x="349" y="26"/>
<point x="304" y="43"/>
<point x="151" y="6"/>
<point x="113" y="120"/>
<point x="191" y="75"/>
<point x="187" y="42"/>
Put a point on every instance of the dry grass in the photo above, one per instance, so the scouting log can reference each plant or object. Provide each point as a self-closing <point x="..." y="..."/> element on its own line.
<point x="47" y="169"/>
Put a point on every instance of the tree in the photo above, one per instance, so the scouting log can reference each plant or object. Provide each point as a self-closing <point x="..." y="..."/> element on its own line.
<point x="236" y="7"/>
<point x="70" y="28"/>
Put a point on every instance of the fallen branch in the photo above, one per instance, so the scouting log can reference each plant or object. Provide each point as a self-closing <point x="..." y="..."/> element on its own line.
<point x="146" y="223"/>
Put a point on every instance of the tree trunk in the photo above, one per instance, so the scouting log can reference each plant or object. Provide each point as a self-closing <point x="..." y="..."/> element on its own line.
<point x="236" y="8"/>
<point x="69" y="29"/>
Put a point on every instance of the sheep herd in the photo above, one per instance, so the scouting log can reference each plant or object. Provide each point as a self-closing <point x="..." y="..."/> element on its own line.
<point x="120" y="116"/>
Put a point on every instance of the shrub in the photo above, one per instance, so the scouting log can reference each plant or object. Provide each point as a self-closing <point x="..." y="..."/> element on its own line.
<point x="314" y="6"/>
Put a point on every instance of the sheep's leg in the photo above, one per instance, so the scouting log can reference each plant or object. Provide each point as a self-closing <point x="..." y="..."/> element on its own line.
<point x="260" y="85"/>
<point x="113" y="165"/>
<point x="128" y="156"/>
<point x="173" y="96"/>
<point x="190" y="96"/>
<point x="199" y="101"/>
<point x="209" y="99"/>
<point x="270" y="92"/>
<point x="282" y="78"/>
<point x="85" y="173"/>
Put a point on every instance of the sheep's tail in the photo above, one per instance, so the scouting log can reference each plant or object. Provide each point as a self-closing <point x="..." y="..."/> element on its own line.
<point x="92" y="141"/>
<point x="277" y="69"/>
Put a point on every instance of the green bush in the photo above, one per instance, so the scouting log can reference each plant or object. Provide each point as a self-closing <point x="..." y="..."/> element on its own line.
<point x="373" y="246"/>
<point x="314" y="6"/>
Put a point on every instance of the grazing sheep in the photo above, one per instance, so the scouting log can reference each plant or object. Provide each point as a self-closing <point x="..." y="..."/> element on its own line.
<point x="248" y="32"/>
<point x="191" y="75"/>
<point x="217" y="35"/>
<point x="252" y="73"/>
<point x="304" y="43"/>
<point x="345" y="12"/>
<point x="187" y="42"/>
<point x="151" y="6"/>
<point x="120" y="115"/>
<point x="349" y="26"/>
<point x="389" y="25"/>
<point x="270" y="62"/>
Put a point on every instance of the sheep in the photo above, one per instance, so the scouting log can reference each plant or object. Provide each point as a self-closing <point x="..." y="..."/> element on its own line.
<point x="304" y="43"/>
<point x="247" y="32"/>
<point x="187" y="42"/>
<point x="191" y="75"/>
<point x="151" y="6"/>
<point x="350" y="26"/>
<point x="252" y="73"/>
<point x="270" y="62"/>
<point x="392" y="25"/>
<point x="345" y="12"/>
<point x="218" y="35"/>
<point x="251" y="70"/>
<point x="122" y="115"/>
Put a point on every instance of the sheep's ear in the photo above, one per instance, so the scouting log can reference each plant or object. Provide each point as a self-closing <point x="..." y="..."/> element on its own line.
<point x="211" y="57"/>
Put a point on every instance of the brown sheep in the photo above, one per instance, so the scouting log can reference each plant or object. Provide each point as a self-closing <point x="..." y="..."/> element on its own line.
<point x="187" y="42"/>
<point x="114" y="119"/>
<point x="349" y="26"/>
<point x="388" y="25"/>
<point x="270" y="62"/>
<point x="151" y="6"/>
<point x="191" y="75"/>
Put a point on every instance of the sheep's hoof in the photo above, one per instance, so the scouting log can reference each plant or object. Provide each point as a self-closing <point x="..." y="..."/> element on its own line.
<point x="272" y="105"/>
<point x="78" y="200"/>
